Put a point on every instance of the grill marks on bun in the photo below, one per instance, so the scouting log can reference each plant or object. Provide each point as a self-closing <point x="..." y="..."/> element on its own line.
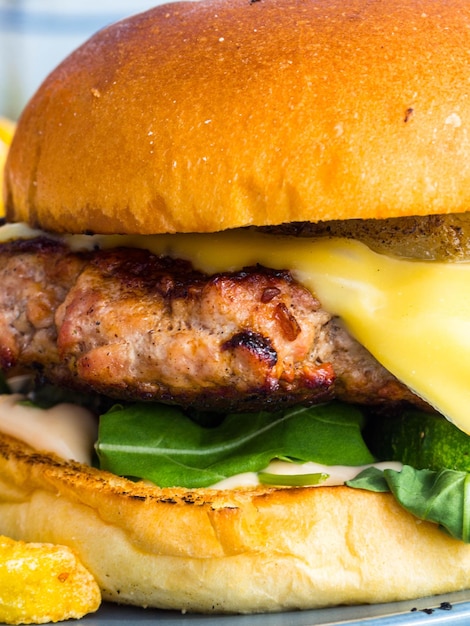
<point x="182" y="549"/>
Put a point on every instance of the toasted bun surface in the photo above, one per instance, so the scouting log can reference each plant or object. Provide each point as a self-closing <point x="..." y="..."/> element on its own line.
<point x="211" y="115"/>
<point x="227" y="551"/>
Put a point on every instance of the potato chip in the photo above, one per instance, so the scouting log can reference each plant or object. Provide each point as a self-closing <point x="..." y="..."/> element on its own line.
<point x="7" y="128"/>
<point x="42" y="583"/>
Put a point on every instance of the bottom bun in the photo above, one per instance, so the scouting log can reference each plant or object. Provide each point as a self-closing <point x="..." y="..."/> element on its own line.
<point x="253" y="550"/>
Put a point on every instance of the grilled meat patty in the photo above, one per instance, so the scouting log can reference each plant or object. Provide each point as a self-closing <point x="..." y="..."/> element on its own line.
<point x="134" y="326"/>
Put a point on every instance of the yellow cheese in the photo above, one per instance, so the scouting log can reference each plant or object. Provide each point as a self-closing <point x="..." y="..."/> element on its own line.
<point x="413" y="316"/>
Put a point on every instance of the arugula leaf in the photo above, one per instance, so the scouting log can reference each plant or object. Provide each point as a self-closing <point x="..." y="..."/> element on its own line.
<point x="440" y="496"/>
<point x="160" y="443"/>
<point x="370" y="479"/>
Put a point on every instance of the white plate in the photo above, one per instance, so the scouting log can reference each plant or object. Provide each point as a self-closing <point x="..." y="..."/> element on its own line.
<point x="427" y="611"/>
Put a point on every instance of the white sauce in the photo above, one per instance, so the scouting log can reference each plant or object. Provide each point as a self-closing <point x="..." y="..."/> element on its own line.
<point x="337" y="474"/>
<point x="65" y="429"/>
<point x="18" y="231"/>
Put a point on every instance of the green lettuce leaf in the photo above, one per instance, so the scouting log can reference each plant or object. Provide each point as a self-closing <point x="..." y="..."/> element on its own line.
<point x="440" y="496"/>
<point x="160" y="443"/>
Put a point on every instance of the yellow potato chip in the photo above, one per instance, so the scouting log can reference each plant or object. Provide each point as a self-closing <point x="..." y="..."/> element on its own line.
<point x="42" y="583"/>
<point x="7" y="128"/>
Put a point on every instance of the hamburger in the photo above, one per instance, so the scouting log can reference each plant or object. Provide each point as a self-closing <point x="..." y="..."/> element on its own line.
<point x="238" y="233"/>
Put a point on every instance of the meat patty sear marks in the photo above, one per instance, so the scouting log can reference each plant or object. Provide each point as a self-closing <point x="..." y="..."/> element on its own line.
<point x="132" y="325"/>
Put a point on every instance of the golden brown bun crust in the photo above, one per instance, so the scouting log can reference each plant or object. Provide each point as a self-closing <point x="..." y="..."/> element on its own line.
<point x="205" y="116"/>
<point x="216" y="551"/>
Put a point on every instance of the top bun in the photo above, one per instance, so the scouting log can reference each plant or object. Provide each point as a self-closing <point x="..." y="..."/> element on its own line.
<point x="218" y="114"/>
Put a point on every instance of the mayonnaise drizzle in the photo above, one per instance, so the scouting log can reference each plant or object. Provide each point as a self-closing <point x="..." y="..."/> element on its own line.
<point x="66" y="429"/>
<point x="337" y="474"/>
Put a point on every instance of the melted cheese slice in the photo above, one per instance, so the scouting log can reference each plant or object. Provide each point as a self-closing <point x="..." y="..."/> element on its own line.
<point x="413" y="316"/>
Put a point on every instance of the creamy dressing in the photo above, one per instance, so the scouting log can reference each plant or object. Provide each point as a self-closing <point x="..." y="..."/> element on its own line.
<point x="18" y="231"/>
<point x="66" y="429"/>
<point x="337" y="474"/>
<point x="413" y="316"/>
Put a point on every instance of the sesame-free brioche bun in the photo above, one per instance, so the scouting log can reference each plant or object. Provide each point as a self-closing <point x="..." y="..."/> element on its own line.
<point x="251" y="550"/>
<point x="198" y="117"/>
